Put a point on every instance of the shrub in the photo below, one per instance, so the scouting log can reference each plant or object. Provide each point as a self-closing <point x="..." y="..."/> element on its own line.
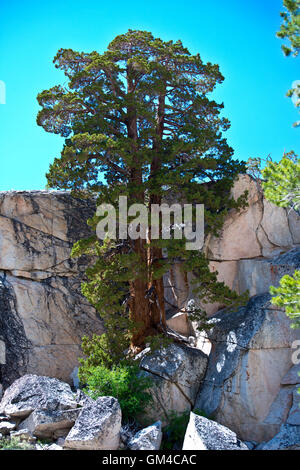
<point x="14" y="443"/>
<point x="124" y="382"/>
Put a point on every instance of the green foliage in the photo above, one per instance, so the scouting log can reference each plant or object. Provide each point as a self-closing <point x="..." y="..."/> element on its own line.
<point x="104" y="350"/>
<point x="290" y="28"/>
<point x="254" y="166"/>
<point x="124" y="382"/>
<point x="137" y="122"/>
<point x="174" y="431"/>
<point x="157" y="342"/>
<point x="14" y="443"/>
<point x="282" y="182"/>
<point x="288" y="296"/>
<point x="282" y="187"/>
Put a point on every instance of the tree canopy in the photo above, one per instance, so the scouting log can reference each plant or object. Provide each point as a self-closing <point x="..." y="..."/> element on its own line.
<point x="290" y="28"/>
<point x="137" y="121"/>
<point x="282" y="182"/>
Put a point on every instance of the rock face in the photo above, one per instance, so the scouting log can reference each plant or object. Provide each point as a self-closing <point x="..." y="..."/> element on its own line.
<point x="246" y="254"/>
<point x="249" y="382"/>
<point x="176" y="373"/>
<point x="43" y="314"/>
<point x="204" y="434"/>
<point x="147" y="439"/>
<point x="97" y="426"/>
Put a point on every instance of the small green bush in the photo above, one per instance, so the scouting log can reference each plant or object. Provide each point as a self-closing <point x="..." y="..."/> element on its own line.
<point x="14" y="443"/>
<point x="124" y="382"/>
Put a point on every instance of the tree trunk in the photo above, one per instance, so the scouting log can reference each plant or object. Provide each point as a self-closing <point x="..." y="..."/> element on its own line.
<point x="146" y="305"/>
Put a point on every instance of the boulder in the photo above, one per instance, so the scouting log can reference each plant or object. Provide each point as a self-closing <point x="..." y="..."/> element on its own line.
<point x="176" y="373"/>
<point x="97" y="426"/>
<point x="147" y="439"/>
<point x="33" y="392"/>
<point x="82" y="398"/>
<point x="204" y="434"/>
<point x="250" y="357"/>
<point x="128" y="431"/>
<point x="46" y="424"/>
<point x="288" y="438"/>
<point x="6" y="427"/>
<point x="294" y="413"/>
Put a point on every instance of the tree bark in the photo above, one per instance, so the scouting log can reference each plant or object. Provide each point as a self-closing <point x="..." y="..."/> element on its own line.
<point x="146" y="305"/>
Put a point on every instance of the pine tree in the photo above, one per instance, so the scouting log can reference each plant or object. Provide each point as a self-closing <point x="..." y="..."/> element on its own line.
<point x="290" y="30"/>
<point x="282" y="182"/>
<point x="137" y="121"/>
<point x="287" y="295"/>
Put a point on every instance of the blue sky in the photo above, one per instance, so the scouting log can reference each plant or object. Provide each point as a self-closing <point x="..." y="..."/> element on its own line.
<point x="239" y="35"/>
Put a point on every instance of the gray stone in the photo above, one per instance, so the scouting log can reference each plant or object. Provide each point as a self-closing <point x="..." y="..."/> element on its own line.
<point x="176" y="373"/>
<point x="128" y="431"/>
<point x="292" y="377"/>
<point x="250" y="444"/>
<point x="147" y="439"/>
<point x="2" y="352"/>
<point x="6" y="427"/>
<point x="60" y="441"/>
<point x="42" y="323"/>
<point x="294" y="414"/>
<point x="179" y="322"/>
<point x="33" y="392"/>
<point x="54" y="447"/>
<point x="46" y="424"/>
<point x="251" y="353"/>
<point x="97" y="426"/>
<point x="280" y="407"/>
<point x="288" y="437"/>
<point x="74" y="377"/>
<point x="258" y="274"/>
<point x="82" y="398"/>
<point x="204" y="434"/>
